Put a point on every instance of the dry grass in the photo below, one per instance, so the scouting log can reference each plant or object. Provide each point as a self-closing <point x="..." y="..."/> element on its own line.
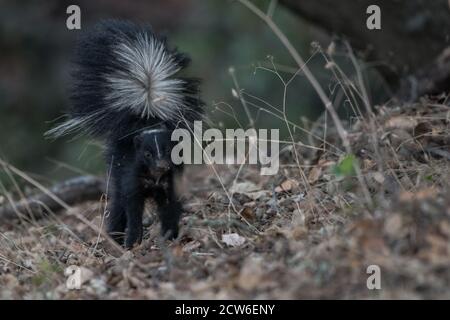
<point x="371" y="192"/>
<point x="299" y="242"/>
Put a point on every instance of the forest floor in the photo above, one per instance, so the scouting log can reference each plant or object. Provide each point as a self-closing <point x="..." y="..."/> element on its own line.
<point x="309" y="232"/>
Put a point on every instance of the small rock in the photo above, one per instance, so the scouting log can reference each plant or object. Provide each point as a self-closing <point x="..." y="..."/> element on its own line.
<point x="233" y="239"/>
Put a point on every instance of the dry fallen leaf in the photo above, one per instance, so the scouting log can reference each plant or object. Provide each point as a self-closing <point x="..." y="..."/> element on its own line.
<point x="191" y="246"/>
<point x="378" y="177"/>
<point x="257" y="194"/>
<point x="299" y="233"/>
<point x="244" y="187"/>
<point x="401" y="122"/>
<point x="85" y="275"/>
<point x="233" y="239"/>
<point x="251" y="274"/>
<point x="247" y="213"/>
<point x="426" y="193"/>
<point x="394" y="225"/>
<point x="314" y="174"/>
<point x="286" y="185"/>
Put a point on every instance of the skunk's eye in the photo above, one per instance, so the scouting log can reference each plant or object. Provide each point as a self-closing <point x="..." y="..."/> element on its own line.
<point x="147" y="154"/>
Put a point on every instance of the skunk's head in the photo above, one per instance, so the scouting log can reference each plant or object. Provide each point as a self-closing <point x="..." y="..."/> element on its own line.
<point x="153" y="152"/>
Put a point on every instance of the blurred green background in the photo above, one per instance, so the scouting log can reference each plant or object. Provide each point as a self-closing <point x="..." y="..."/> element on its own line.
<point x="35" y="49"/>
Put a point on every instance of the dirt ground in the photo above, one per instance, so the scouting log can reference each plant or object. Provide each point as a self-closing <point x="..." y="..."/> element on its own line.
<point x="309" y="232"/>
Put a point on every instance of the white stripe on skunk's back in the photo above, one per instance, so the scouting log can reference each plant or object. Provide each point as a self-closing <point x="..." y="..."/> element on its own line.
<point x="145" y="85"/>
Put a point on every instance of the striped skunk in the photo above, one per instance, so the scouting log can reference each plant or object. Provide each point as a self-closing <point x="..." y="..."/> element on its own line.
<point x="126" y="90"/>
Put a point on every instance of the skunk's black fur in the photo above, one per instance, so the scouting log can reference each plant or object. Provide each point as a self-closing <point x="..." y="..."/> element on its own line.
<point x="141" y="168"/>
<point x="126" y="90"/>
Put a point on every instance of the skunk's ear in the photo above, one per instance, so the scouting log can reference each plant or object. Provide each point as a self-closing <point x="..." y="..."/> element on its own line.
<point x="137" y="141"/>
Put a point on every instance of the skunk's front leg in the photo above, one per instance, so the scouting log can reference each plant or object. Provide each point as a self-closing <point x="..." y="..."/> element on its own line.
<point x="170" y="216"/>
<point x="116" y="219"/>
<point x="169" y="209"/>
<point x="134" y="210"/>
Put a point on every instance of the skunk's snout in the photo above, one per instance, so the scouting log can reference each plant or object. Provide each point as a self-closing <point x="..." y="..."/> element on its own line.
<point x="162" y="164"/>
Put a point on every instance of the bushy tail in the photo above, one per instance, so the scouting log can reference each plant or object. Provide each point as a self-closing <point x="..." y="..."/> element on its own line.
<point x="125" y="78"/>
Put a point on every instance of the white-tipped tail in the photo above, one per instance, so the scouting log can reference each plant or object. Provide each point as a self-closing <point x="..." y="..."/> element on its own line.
<point x="144" y="85"/>
<point x="125" y="78"/>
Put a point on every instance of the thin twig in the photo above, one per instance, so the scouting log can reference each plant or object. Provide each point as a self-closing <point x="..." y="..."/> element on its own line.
<point x="317" y="87"/>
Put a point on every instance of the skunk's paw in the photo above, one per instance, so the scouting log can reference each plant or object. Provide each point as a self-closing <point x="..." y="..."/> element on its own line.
<point x="169" y="231"/>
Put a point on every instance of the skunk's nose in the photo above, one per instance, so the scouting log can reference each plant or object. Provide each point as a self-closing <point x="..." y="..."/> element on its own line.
<point x="162" y="164"/>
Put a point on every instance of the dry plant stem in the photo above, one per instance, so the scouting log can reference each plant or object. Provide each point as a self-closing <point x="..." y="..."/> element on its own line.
<point x="286" y="121"/>
<point x="72" y="191"/>
<point x="342" y="79"/>
<point x="251" y="125"/>
<point x="231" y="115"/>
<point x="277" y="114"/>
<point x="299" y="60"/>
<point x="295" y="126"/>
<point x="305" y="181"/>
<point x="317" y="87"/>
<point x="64" y="205"/>
<point x="401" y="166"/>
<point x="105" y="211"/>
<point x="262" y="101"/>
<point x="359" y="76"/>
<point x="230" y="199"/>
<point x="286" y="84"/>
<point x="243" y="102"/>
<point x="280" y="67"/>
<point x="323" y="118"/>
<point x="271" y="8"/>
<point x="19" y="191"/>
<point x="12" y="203"/>
<point x="297" y="159"/>
<point x="61" y="164"/>
<point x="373" y="133"/>
<point x="16" y="264"/>
<point x="346" y="85"/>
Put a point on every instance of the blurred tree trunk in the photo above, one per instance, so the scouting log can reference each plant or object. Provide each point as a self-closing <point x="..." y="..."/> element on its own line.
<point x="414" y="33"/>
